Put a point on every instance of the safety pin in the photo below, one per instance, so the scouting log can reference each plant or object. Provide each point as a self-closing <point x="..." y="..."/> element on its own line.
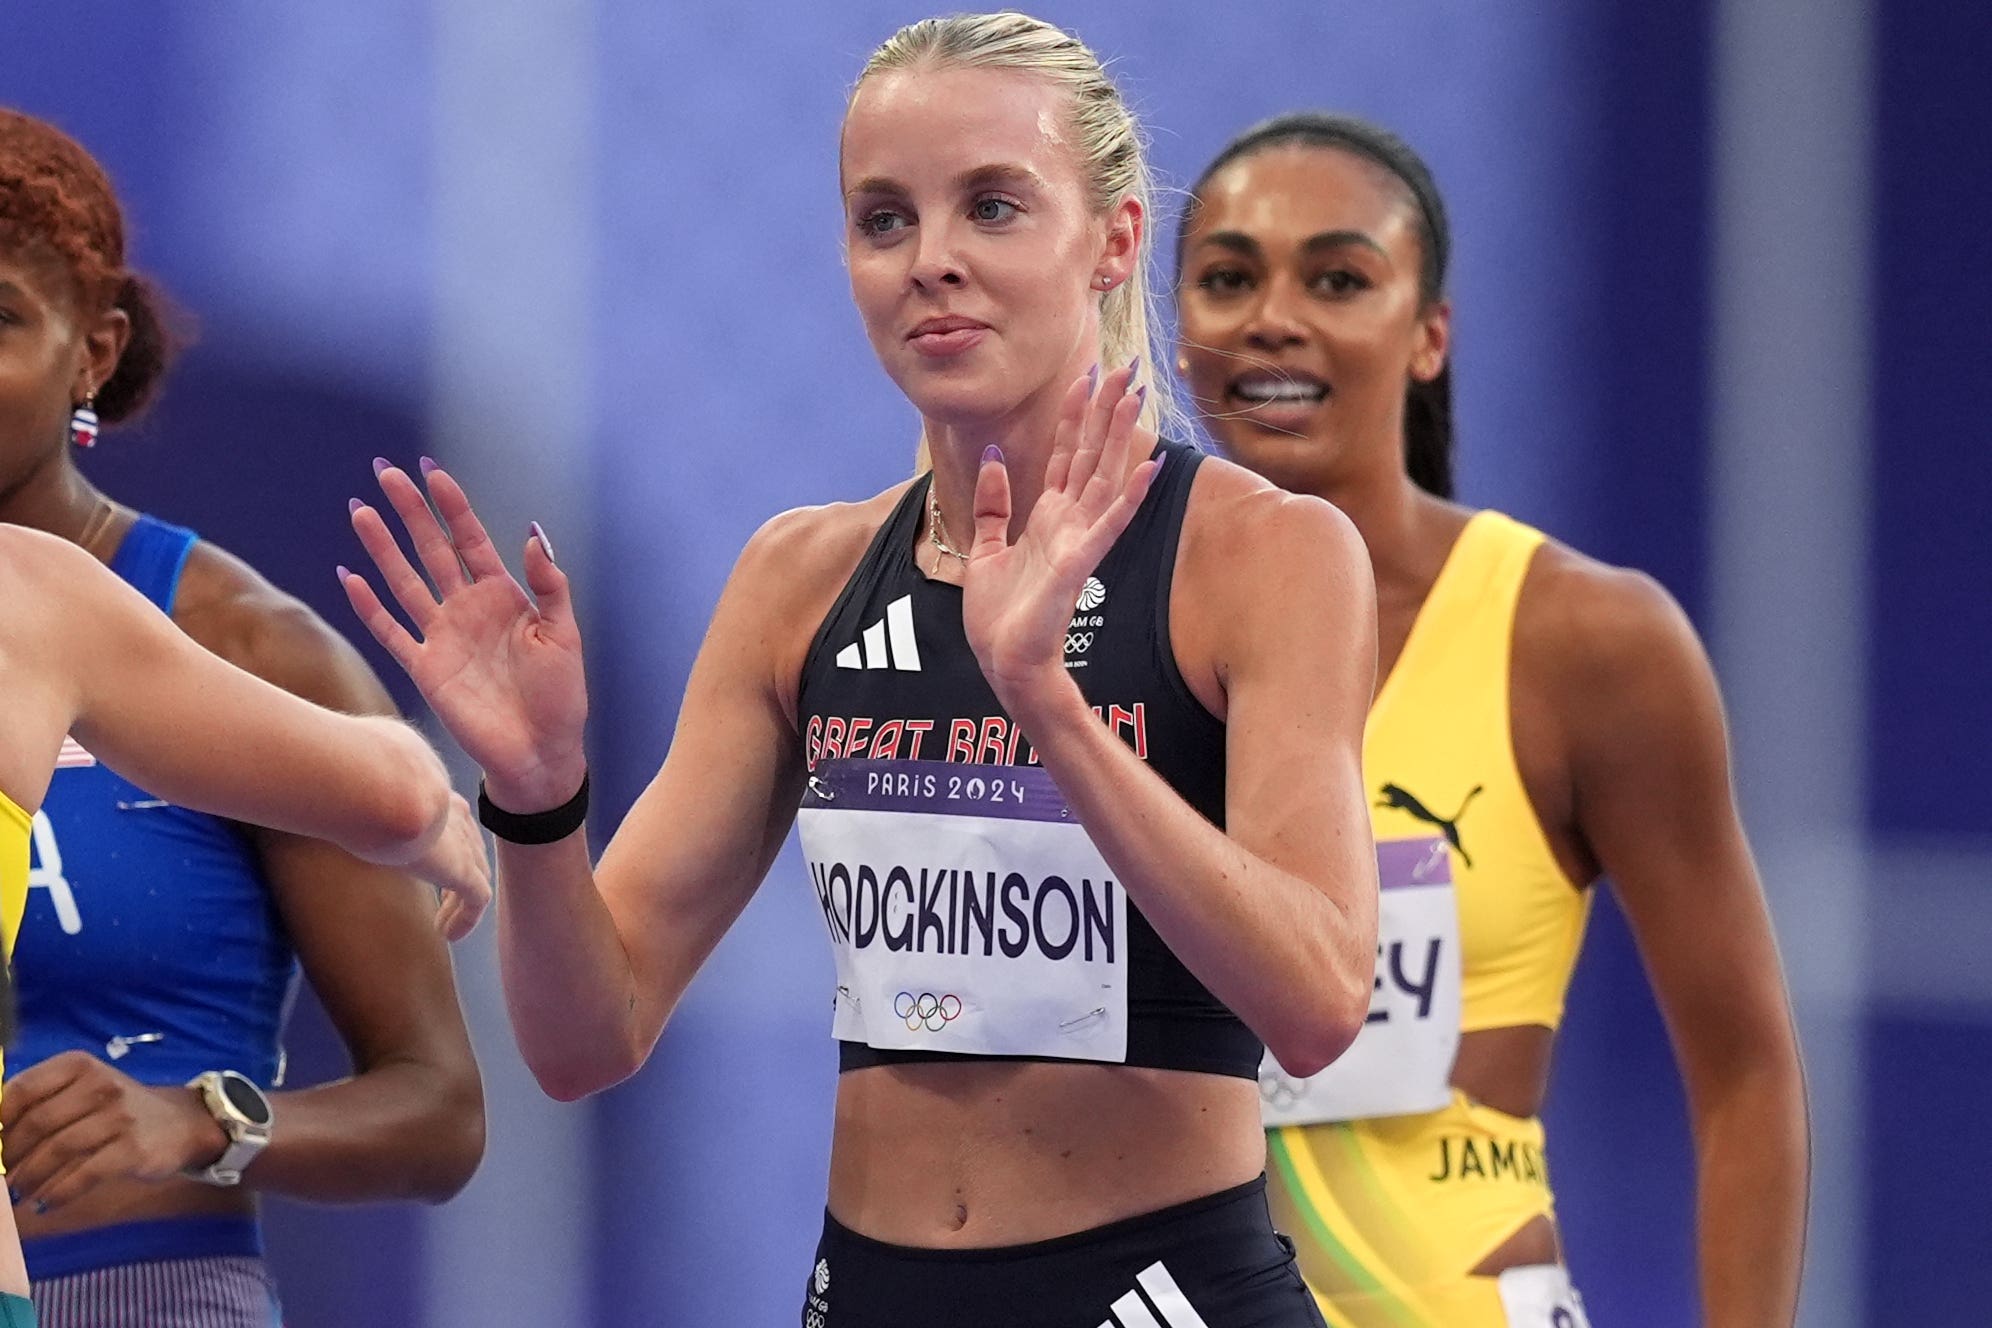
<point x="822" y="790"/>
<point x="1097" y="1012"/>
<point x="149" y="804"/>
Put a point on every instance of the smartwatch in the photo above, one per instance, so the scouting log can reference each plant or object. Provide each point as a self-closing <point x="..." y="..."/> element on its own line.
<point x="244" y="1114"/>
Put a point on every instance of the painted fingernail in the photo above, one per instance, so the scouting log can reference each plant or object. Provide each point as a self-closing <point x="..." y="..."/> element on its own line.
<point x="41" y="1206"/>
<point x="354" y="505"/>
<point x="429" y="465"/>
<point x="546" y="545"/>
<point x="1134" y="368"/>
<point x="343" y="572"/>
<point x="992" y="453"/>
<point x="1141" y="395"/>
<point x="1092" y="380"/>
<point x="381" y="464"/>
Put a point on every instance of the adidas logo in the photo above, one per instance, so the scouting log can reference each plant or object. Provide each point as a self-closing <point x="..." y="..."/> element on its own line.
<point x="1165" y="1305"/>
<point x="888" y="643"/>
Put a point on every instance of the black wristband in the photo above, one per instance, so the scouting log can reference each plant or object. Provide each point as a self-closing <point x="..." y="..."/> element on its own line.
<point x="539" y="827"/>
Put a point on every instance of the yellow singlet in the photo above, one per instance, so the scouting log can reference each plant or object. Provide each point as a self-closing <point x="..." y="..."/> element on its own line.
<point x="15" y="828"/>
<point x="1391" y="1214"/>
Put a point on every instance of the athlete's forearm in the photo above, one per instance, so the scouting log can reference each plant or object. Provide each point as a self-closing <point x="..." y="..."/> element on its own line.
<point x="399" y="1130"/>
<point x="569" y="986"/>
<point x="1752" y="1157"/>
<point x="1273" y="946"/>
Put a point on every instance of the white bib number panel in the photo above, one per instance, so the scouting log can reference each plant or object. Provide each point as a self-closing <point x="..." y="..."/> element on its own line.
<point x="1401" y="1063"/>
<point x="968" y="911"/>
<point x="1541" y="1296"/>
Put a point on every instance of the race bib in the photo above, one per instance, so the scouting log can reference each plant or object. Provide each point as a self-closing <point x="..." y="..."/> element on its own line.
<point x="967" y="910"/>
<point x="1401" y="1063"/>
<point x="1541" y="1296"/>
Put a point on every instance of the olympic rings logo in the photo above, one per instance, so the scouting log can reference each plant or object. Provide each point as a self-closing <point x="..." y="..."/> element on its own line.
<point x="1078" y="643"/>
<point x="1280" y="1091"/>
<point x="926" y="1010"/>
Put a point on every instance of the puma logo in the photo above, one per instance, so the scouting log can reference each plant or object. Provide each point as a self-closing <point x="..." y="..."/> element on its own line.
<point x="1403" y="800"/>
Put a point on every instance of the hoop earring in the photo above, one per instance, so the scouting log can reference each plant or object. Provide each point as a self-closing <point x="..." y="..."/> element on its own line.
<point x="83" y="425"/>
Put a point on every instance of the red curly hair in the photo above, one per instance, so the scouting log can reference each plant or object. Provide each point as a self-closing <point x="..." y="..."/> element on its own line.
<point x="54" y="196"/>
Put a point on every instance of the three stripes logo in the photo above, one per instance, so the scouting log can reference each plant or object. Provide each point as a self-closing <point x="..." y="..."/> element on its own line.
<point x="887" y="643"/>
<point x="1156" y="1302"/>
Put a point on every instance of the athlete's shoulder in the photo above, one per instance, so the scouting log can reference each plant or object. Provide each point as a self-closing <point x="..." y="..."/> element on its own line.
<point x="1240" y="522"/>
<point x="41" y="574"/>
<point x="235" y="612"/>
<point x="1598" y="635"/>
<point x="806" y="547"/>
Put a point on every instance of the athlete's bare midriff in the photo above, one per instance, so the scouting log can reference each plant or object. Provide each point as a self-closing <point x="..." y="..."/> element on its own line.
<point x="966" y="1156"/>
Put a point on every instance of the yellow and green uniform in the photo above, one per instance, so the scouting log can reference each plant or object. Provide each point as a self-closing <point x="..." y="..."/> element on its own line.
<point x="1391" y="1213"/>
<point x="16" y="829"/>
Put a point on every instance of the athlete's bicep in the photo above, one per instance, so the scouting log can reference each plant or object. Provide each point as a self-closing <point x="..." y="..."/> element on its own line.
<point x="1653" y="798"/>
<point x="1300" y="665"/>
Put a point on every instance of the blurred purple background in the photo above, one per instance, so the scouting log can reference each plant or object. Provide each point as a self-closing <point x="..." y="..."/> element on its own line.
<point x="1717" y="263"/>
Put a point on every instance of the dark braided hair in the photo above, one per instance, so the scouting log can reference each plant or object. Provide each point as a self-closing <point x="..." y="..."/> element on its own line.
<point x="54" y="195"/>
<point x="1428" y="422"/>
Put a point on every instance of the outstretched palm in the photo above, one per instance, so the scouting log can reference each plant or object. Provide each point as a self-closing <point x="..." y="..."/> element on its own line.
<point x="1017" y="598"/>
<point x="501" y="668"/>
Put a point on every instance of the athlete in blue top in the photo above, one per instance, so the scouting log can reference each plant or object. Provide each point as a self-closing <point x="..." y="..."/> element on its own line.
<point x="160" y="945"/>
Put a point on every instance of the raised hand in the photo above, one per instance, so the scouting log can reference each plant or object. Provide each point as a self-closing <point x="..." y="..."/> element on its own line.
<point x="1017" y="598"/>
<point x="501" y="668"/>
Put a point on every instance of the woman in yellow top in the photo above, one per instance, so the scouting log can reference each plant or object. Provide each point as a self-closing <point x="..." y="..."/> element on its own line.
<point x="1544" y="720"/>
<point x="83" y="655"/>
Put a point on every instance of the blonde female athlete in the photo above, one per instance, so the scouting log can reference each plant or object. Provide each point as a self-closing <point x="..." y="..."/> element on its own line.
<point x="85" y="659"/>
<point x="1544" y="720"/>
<point x="1080" y="795"/>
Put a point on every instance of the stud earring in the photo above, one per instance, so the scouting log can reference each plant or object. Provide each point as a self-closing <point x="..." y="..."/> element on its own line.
<point x="83" y="425"/>
<point x="1104" y="282"/>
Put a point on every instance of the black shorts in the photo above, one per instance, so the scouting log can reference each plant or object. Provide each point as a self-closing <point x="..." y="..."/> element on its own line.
<point x="1214" y="1262"/>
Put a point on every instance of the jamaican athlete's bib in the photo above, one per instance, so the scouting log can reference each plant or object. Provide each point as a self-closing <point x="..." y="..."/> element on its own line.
<point x="1401" y="1063"/>
<point x="968" y="911"/>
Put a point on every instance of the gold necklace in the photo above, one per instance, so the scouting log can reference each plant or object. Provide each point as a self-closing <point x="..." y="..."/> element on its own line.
<point x="936" y="531"/>
<point x="100" y="521"/>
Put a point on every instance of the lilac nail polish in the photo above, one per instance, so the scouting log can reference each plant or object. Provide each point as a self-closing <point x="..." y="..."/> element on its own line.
<point x="1134" y="368"/>
<point x="1092" y="380"/>
<point x="343" y="572"/>
<point x="992" y="453"/>
<point x="1141" y="395"/>
<point x="429" y="465"/>
<point x="545" y="543"/>
<point x="354" y="505"/>
<point x="381" y="464"/>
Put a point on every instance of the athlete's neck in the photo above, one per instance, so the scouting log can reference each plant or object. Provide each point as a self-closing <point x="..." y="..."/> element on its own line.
<point x="1407" y="531"/>
<point x="1024" y="435"/>
<point x="56" y="498"/>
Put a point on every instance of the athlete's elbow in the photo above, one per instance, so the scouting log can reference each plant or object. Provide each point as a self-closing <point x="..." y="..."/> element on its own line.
<point x="1317" y="1032"/>
<point x="570" y="1082"/>
<point x="1307" y="1049"/>
<point x="454" y="1155"/>
<point x="568" y="1077"/>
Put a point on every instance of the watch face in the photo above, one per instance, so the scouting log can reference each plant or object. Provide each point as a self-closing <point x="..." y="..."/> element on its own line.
<point x="246" y="1098"/>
